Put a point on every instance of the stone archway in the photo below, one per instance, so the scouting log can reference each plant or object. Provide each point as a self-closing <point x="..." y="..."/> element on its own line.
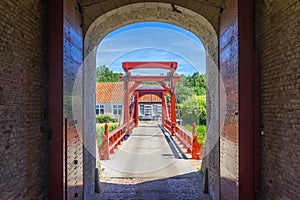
<point x="159" y="12"/>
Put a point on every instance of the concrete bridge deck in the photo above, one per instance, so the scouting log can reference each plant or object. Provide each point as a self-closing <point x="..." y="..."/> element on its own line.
<point x="150" y="165"/>
<point x="148" y="152"/>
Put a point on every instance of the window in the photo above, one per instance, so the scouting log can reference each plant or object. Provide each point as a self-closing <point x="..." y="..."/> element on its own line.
<point x="142" y="111"/>
<point x="117" y="110"/>
<point x="159" y="109"/>
<point x="100" y="108"/>
<point x="156" y="109"/>
<point x="148" y="110"/>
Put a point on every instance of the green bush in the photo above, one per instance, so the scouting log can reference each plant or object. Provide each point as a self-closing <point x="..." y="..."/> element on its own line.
<point x="100" y="128"/>
<point x="105" y="119"/>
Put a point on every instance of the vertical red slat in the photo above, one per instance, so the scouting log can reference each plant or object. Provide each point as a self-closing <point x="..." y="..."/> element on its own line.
<point x="246" y="108"/>
<point x="55" y="92"/>
<point x="136" y="108"/>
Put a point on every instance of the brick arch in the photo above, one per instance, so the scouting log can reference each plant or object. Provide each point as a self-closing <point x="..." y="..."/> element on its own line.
<point x="209" y="10"/>
<point x="149" y="12"/>
<point x="158" y="12"/>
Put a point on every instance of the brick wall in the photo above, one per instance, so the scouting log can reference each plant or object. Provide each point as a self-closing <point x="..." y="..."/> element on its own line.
<point x="23" y="99"/>
<point x="277" y="40"/>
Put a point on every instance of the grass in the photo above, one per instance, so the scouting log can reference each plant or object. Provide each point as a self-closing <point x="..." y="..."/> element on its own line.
<point x="200" y="132"/>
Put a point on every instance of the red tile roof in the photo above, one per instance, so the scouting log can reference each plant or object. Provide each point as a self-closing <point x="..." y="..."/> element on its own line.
<point x="113" y="92"/>
<point x="109" y="92"/>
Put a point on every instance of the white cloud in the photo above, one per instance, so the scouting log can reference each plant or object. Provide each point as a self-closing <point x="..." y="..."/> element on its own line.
<point x="151" y="44"/>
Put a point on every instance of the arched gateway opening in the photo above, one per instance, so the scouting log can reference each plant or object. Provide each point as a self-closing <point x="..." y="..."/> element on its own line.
<point x="159" y="12"/>
<point x="231" y="158"/>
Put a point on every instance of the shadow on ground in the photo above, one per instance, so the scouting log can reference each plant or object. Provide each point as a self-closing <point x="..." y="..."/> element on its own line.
<point x="186" y="186"/>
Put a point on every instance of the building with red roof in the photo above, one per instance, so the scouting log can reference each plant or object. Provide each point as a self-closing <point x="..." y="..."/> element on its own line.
<point x="110" y="100"/>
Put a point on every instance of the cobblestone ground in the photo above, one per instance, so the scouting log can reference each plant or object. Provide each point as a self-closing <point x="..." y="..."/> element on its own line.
<point x="187" y="186"/>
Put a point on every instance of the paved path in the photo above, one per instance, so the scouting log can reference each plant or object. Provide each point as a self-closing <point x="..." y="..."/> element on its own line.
<point x="150" y="165"/>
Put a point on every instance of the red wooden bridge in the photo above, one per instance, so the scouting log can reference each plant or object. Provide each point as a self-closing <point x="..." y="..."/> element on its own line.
<point x="168" y="128"/>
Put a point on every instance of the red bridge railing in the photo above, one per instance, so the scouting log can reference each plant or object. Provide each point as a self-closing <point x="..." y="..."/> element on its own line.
<point x="186" y="138"/>
<point x="113" y="139"/>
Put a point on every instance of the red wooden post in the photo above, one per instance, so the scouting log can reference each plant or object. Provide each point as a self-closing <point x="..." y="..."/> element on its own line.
<point x="136" y="95"/>
<point x="196" y="148"/>
<point x="106" y="131"/>
<point x="163" y="106"/>
<point x="103" y="150"/>
<point x="173" y="107"/>
<point x="194" y="133"/>
<point x="106" y="146"/>
<point x="126" y="104"/>
<point x="194" y="128"/>
<point x="173" y="112"/>
<point x="55" y="99"/>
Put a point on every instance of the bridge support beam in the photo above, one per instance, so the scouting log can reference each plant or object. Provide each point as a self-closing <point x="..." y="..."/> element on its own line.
<point x="136" y="95"/>
<point x="126" y="103"/>
<point x="172" y="66"/>
<point x="164" y="107"/>
<point x="173" y="108"/>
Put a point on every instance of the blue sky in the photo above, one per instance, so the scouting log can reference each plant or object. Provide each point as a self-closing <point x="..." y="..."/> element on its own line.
<point x="152" y="41"/>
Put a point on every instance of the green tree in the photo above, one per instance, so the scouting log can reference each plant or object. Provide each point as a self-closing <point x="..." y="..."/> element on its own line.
<point x="202" y="109"/>
<point x="104" y="74"/>
<point x="183" y="89"/>
<point x="194" y="110"/>
<point x="190" y="85"/>
<point x="198" y="83"/>
<point x="190" y="111"/>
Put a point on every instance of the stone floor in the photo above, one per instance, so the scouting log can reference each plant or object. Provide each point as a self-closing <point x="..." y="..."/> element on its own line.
<point x="187" y="186"/>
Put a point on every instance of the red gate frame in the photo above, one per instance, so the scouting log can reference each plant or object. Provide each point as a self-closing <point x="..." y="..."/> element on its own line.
<point x="127" y="66"/>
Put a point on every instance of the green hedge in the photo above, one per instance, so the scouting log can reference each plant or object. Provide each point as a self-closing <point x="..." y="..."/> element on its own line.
<point x="105" y="119"/>
<point x="100" y="128"/>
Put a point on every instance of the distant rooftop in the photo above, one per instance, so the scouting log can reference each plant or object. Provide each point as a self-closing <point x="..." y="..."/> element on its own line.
<point x="113" y="92"/>
<point x="150" y="87"/>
